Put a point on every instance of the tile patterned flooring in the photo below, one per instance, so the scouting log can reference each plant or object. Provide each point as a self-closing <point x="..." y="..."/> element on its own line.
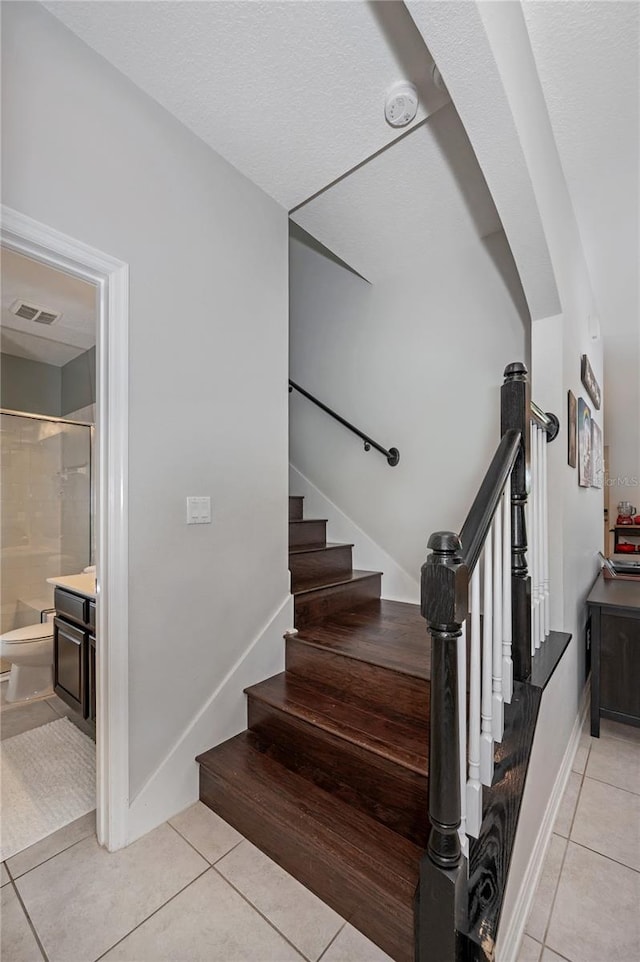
<point x="587" y="904"/>
<point x="195" y="890"/>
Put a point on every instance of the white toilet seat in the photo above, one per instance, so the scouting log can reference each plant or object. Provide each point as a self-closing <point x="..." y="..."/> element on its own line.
<point x="18" y="636"/>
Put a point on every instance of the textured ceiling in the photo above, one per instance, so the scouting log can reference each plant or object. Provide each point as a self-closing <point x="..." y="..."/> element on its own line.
<point x="34" y="282"/>
<point x="292" y="94"/>
<point x="423" y="196"/>
<point x="587" y="59"/>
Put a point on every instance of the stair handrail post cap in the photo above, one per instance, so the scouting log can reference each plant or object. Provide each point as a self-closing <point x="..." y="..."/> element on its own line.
<point x="516" y="371"/>
<point x="444" y="582"/>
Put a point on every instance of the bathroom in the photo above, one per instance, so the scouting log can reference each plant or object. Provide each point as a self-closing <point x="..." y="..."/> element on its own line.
<point x="47" y="552"/>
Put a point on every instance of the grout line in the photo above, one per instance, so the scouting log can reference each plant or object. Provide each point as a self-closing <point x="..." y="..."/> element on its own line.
<point x="611" y="785"/>
<point x="30" y="923"/>
<point x="55" y="855"/>
<point x="326" y="949"/>
<point x="155" y="912"/>
<point x="224" y="855"/>
<point x="262" y="916"/>
<point x="602" y="855"/>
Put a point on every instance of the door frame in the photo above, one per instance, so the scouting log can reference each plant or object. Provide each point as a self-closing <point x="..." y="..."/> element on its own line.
<point x="111" y="277"/>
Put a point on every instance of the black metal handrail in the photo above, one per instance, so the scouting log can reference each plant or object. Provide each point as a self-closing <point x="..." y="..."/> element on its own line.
<point x="476" y="527"/>
<point x="392" y="455"/>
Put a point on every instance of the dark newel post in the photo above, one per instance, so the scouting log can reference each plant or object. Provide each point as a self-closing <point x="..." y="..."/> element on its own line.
<point x="443" y="874"/>
<point x="516" y="414"/>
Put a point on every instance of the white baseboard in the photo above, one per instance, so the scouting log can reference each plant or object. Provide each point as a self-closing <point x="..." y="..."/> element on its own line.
<point x="509" y="942"/>
<point x="397" y="584"/>
<point x="174" y="784"/>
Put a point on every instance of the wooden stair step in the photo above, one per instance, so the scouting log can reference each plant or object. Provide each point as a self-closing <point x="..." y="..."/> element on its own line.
<point x="325" y="561"/>
<point x="318" y="598"/>
<point x="359" y="867"/>
<point x="402" y="743"/>
<point x="295" y="507"/>
<point x="377" y="655"/>
<point x="308" y="532"/>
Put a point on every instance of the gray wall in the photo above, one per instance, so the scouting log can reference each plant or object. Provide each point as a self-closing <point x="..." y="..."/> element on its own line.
<point x="39" y="388"/>
<point x="208" y="360"/>
<point x="78" y="383"/>
<point x="30" y="386"/>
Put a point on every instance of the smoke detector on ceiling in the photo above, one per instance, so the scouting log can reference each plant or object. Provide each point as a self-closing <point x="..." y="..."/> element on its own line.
<point x="32" y="312"/>
<point x="401" y="104"/>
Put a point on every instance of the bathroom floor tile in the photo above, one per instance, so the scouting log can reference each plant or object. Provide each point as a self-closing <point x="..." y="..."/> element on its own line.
<point x="295" y="911"/>
<point x="352" y="946"/>
<point x="17" y="941"/>
<point x="608" y="821"/>
<point x="568" y="804"/>
<point x="207" y="914"/>
<point x="53" y="844"/>
<point x="207" y="832"/>
<point x="4" y="875"/>
<point x="616" y="762"/>
<point x="595" y="915"/>
<point x="59" y="706"/>
<point x="529" y="950"/>
<point x="22" y="718"/>
<point x="102" y="896"/>
<point x="550" y="956"/>
<point x="543" y="899"/>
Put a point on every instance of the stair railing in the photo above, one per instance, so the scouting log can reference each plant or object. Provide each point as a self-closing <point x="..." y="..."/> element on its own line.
<point x="477" y="599"/>
<point x="392" y="454"/>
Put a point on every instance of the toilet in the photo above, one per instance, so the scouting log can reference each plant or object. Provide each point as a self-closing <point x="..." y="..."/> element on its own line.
<point x="30" y="651"/>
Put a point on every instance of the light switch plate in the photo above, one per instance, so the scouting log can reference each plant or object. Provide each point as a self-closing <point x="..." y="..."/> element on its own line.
<point x="198" y="510"/>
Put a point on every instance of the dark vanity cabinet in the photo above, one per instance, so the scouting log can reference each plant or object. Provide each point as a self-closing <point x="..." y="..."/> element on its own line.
<point x="74" y="652"/>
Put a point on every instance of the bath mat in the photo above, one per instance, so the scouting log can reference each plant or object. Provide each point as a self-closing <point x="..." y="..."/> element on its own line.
<point x="48" y="780"/>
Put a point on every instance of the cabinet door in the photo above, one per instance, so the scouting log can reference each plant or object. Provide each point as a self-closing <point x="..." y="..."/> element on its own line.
<point x="69" y="664"/>
<point x="92" y="678"/>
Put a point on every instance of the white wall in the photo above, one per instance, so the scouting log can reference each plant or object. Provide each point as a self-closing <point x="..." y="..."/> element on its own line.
<point x="87" y="153"/>
<point x="557" y="344"/>
<point x="415" y="361"/>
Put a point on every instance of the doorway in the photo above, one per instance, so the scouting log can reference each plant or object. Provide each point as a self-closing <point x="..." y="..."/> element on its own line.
<point x="109" y="276"/>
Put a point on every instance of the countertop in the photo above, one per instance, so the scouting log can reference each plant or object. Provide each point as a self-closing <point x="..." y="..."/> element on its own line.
<point x="615" y="593"/>
<point x="83" y="584"/>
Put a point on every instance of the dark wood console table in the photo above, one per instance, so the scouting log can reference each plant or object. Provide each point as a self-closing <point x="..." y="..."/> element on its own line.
<point x="614" y="609"/>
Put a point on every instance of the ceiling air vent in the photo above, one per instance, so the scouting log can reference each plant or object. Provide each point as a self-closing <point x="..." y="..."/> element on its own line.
<point x="31" y="312"/>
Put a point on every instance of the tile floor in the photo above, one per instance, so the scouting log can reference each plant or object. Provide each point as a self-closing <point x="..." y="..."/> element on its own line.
<point x="587" y="904"/>
<point x="195" y="890"/>
<point x="16" y="719"/>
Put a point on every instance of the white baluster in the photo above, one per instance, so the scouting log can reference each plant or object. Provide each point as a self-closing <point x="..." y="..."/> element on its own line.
<point x="462" y="736"/>
<point x="545" y="515"/>
<point x="507" y="662"/>
<point x="498" y="703"/>
<point x="535" y="554"/>
<point x="474" y="787"/>
<point x="486" y="733"/>
<point x="542" y="619"/>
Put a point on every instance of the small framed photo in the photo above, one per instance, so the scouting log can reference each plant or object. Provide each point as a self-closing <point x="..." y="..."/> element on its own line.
<point x="572" y="414"/>
<point x="597" y="460"/>
<point x="584" y="444"/>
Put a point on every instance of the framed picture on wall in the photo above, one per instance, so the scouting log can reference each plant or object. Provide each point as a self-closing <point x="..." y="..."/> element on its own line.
<point x="588" y="378"/>
<point x="597" y="461"/>
<point x="572" y="414"/>
<point x="584" y="444"/>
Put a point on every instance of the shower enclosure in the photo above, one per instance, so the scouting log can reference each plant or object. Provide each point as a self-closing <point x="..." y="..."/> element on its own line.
<point x="46" y="506"/>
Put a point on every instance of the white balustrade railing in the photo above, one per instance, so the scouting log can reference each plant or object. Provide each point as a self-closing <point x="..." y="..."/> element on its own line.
<point x="485" y="685"/>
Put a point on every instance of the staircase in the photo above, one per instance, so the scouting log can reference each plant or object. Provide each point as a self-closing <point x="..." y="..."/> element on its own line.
<point x="330" y="779"/>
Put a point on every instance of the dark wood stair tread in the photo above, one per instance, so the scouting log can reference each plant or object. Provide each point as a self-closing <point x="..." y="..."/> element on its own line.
<point x="331" y="581"/>
<point x="303" y="549"/>
<point x="389" y="634"/>
<point x="403" y="742"/>
<point x="336" y="830"/>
